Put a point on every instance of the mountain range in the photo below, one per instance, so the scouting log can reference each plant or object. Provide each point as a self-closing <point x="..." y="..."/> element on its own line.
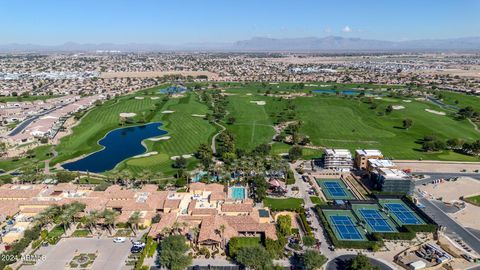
<point x="263" y="44"/>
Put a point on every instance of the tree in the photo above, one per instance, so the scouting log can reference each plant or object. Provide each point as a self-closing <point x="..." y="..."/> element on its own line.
<point x="361" y="262"/>
<point x="260" y="186"/>
<point x="295" y="153"/>
<point x="389" y="109"/>
<point x="65" y="176"/>
<point x="110" y="219"/>
<point x="455" y="143"/>
<point x="308" y="240"/>
<point x="133" y="221"/>
<point x="90" y="220"/>
<point x="172" y="253"/>
<point x="180" y="162"/>
<point x="407" y="123"/>
<point x="231" y="120"/>
<point x="255" y="257"/>
<point x="312" y="259"/>
<point x="284" y="224"/>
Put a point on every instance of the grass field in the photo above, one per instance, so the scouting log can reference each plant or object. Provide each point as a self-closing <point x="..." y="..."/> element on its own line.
<point x="347" y="122"/>
<point x="253" y="125"/>
<point x="461" y="100"/>
<point x="329" y="121"/>
<point x="36" y="161"/>
<point x="475" y="200"/>
<point x="291" y="204"/>
<point x="185" y="130"/>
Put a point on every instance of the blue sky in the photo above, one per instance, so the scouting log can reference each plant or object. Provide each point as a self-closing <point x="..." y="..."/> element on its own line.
<point x="176" y="21"/>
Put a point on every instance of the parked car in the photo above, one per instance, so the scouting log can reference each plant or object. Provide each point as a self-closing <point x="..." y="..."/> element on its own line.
<point x="119" y="239"/>
<point x="136" y="249"/>
<point x="138" y="244"/>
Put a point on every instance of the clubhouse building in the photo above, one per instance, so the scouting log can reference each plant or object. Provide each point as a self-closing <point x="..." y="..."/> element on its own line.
<point x="204" y="207"/>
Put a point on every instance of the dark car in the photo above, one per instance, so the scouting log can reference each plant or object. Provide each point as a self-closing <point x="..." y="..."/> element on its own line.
<point x="136" y="249"/>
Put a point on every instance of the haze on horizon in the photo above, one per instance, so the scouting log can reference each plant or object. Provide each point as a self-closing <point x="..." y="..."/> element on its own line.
<point x="180" y="22"/>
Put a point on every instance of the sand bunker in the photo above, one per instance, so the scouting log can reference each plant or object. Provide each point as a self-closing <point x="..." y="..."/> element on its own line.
<point x="199" y="115"/>
<point x="259" y="102"/>
<point x="146" y="154"/>
<point x="167" y="112"/>
<point x="139" y="97"/>
<point x="398" y="107"/>
<point x="407" y="100"/>
<point x="378" y="98"/>
<point x="184" y="156"/>
<point x="164" y="138"/>
<point x="249" y="94"/>
<point x="435" y="112"/>
<point x="127" y="114"/>
<point x="154" y="98"/>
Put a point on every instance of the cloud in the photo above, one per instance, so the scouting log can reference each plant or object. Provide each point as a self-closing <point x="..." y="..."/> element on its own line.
<point x="346" y="29"/>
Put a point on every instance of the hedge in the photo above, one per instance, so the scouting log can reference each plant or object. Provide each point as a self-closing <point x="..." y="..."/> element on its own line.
<point x="421" y="228"/>
<point x="290" y="178"/>
<point x="303" y="218"/>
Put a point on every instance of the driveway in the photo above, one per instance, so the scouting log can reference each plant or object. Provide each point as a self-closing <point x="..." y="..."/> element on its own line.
<point x="111" y="256"/>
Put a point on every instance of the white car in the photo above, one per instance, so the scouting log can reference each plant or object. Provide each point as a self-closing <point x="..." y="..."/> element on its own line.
<point x="119" y="239"/>
<point x="138" y="244"/>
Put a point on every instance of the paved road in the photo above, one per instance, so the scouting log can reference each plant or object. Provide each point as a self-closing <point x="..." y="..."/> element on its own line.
<point x="111" y="256"/>
<point x="28" y="121"/>
<point x="436" y="175"/>
<point x="452" y="227"/>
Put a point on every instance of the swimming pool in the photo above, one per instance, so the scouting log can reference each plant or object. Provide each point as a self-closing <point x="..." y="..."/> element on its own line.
<point x="237" y="193"/>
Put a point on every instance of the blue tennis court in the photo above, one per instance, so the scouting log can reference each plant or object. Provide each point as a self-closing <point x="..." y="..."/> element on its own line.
<point x="345" y="227"/>
<point x="404" y="214"/>
<point x="375" y="220"/>
<point x="335" y="189"/>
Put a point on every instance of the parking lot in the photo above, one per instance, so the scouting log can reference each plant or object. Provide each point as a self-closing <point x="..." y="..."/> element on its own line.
<point x="110" y="255"/>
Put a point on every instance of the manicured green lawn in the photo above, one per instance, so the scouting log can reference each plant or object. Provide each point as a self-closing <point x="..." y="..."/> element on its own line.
<point x="283" y="204"/>
<point x="186" y="131"/>
<point x="347" y="122"/>
<point x="81" y="233"/>
<point x="253" y="125"/>
<point x="473" y="200"/>
<point x="316" y="200"/>
<point x="461" y="100"/>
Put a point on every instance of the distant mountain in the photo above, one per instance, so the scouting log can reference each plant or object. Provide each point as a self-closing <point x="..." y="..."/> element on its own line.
<point x="262" y="44"/>
<point x="333" y="43"/>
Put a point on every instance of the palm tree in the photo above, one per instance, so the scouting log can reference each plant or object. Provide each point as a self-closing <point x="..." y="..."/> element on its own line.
<point x="75" y="208"/>
<point x="90" y="220"/>
<point x="48" y="215"/>
<point x="110" y="219"/>
<point x="65" y="219"/>
<point x="133" y="220"/>
<point x="166" y="231"/>
<point x="196" y="232"/>
<point x="222" y="231"/>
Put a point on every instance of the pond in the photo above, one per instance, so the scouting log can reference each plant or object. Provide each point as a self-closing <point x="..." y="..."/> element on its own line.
<point x="332" y="91"/>
<point x="119" y="144"/>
